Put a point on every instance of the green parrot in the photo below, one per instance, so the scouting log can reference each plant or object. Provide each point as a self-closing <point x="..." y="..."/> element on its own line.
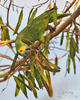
<point x="35" y="30"/>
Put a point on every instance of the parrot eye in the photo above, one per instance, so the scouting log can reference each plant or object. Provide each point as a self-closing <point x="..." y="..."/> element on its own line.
<point x="21" y="50"/>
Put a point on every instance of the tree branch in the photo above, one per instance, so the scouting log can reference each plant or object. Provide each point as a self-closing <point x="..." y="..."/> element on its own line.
<point x="64" y="24"/>
<point x="2" y="43"/>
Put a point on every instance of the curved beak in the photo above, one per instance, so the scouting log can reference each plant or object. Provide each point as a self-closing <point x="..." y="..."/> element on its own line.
<point x="26" y="52"/>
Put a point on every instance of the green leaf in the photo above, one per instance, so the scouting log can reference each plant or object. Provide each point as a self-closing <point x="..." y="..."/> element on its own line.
<point x="41" y="73"/>
<point x="5" y="31"/>
<point x="54" y="66"/>
<point x="44" y="77"/>
<point x="74" y="64"/>
<point x="32" y="70"/>
<point x="17" y="90"/>
<point x="1" y="21"/>
<point x="14" y="61"/>
<point x="4" y="75"/>
<point x="72" y="49"/>
<point x="47" y="65"/>
<point x="63" y="15"/>
<point x="29" y="75"/>
<point x="32" y="16"/>
<point x="46" y="47"/>
<point x="32" y="87"/>
<point x="55" y="15"/>
<point x="50" y="92"/>
<point x="5" y="34"/>
<point x="74" y="44"/>
<point x="19" y="22"/>
<point x="62" y="37"/>
<point x="31" y="82"/>
<point x="20" y="82"/>
<point x="45" y="85"/>
<point x="69" y="62"/>
<point x="67" y="40"/>
<point x="38" y="78"/>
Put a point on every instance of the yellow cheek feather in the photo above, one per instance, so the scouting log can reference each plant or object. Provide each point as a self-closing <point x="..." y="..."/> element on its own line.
<point x="22" y="49"/>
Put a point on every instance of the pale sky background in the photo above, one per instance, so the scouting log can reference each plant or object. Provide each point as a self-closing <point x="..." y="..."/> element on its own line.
<point x="64" y="87"/>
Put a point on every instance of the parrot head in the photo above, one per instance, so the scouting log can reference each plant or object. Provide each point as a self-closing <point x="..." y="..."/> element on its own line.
<point x="23" y="50"/>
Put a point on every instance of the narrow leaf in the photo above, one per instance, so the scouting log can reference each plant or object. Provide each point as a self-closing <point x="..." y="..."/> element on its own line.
<point x="21" y="84"/>
<point x="19" y="22"/>
<point x="74" y="45"/>
<point x="17" y="90"/>
<point x="14" y="61"/>
<point x="55" y="15"/>
<point x="46" y="86"/>
<point x="62" y="37"/>
<point x="69" y="62"/>
<point x="74" y="64"/>
<point x="1" y="21"/>
<point x="54" y="66"/>
<point x="4" y="75"/>
<point x="32" y="70"/>
<point x="40" y="69"/>
<point x="49" y="83"/>
<point x="47" y="67"/>
<point x="63" y="15"/>
<point x="38" y="78"/>
<point x="32" y="87"/>
<point x="29" y="75"/>
<point x="47" y="64"/>
<point x="32" y="16"/>
<point x="72" y="49"/>
<point x="46" y="47"/>
<point x="5" y="34"/>
<point x="67" y="40"/>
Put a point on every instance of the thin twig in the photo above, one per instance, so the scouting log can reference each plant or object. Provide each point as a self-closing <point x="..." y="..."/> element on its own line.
<point x="8" y="9"/>
<point x="51" y="48"/>
<point x="11" y="48"/>
<point x="77" y="23"/>
<point x="6" y="57"/>
<point x="7" y="26"/>
<point x="39" y="5"/>
<point x="3" y="25"/>
<point x="24" y="69"/>
<point x="4" y="69"/>
<point x="3" y="6"/>
<point x="60" y="57"/>
<point x="70" y="6"/>
<point x="5" y="87"/>
<point x="17" y="6"/>
<point x="10" y="27"/>
<point x="1" y="66"/>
